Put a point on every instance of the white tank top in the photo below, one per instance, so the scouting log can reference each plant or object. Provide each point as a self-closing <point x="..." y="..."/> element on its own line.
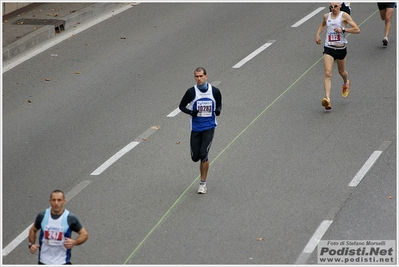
<point x="52" y="250"/>
<point x="205" y="104"/>
<point x="334" y="38"/>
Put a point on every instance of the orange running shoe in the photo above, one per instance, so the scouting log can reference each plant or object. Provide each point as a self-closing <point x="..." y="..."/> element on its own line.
<point x="346" y="89"/>
<point x="326" y="103"/>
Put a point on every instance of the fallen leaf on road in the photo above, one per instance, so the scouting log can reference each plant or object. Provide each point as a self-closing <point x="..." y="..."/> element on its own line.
<point x="260" y="239"/>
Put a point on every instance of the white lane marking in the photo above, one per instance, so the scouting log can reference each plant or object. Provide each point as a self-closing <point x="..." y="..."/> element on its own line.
<point x="303" y="258"/>
<point x="314" y="240"/>
<point x="16" y="241"/>
<point x="317" y="236"/>
<point x="71" y="194"/>
<point x="114" y="158"/>
<point x="177" y="110"/>
<point x="59" y="38"/>
<point x="307" y="17"/>
<point x="253" y="54"/>
<point x="124" y="150"/>
<point x="216" y="83"/>
<point x="173" y="113"/>
<point x="366" y="167"/>
<point x="24" y="235"/>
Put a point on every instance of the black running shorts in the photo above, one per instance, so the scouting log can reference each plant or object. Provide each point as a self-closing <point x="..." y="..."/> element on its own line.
<point x="200" y="143"/>
<point x="382" y="6"/>
<point x="335" y="53"/>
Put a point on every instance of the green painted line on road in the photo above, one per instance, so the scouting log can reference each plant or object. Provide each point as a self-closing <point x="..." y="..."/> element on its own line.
<point x="244" y="130"/>
<point x="185" y="191"/>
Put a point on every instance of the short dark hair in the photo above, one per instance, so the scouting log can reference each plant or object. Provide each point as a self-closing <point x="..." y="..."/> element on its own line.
<point x="57" y="191"/>
<point x="199" y="69"/>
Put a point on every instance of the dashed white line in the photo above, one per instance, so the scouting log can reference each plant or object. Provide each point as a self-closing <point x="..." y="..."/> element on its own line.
<point x="253" y="54"/>
<point x="114" y="158"/>
<point x="366" y="167"/>
<point x="369" y="163"/>
<point x="16" y="241"/>
<point x="317" y="236"/>
<point x="307" y="17"/>
<point x="124" y="150"/>
<point x="173" y="113"/>
<point x="314" y="240"/>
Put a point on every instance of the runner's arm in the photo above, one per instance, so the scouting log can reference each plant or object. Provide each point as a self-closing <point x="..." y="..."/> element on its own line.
<point x="187" y="98"/>
<point x="32" y="237"/>
<point x="321" y="28"/>
<point x="83" y="236"/>
<point x="218" y="98"/>
<point x="354" y="28"/>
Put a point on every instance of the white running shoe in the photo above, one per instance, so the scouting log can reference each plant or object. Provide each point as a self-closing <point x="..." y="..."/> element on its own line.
<point x="202" y="189"/>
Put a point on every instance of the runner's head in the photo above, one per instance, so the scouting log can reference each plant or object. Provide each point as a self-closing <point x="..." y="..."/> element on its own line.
<point x="57" y="202"/>
<point x="200" y="75"/>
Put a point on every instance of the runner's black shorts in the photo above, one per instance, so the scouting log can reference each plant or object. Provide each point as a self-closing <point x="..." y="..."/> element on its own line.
<point x="345" y="9"/>
<point x="382" y="6"/>
<point x="338" y="53"/>
<point x="200" y="143"/>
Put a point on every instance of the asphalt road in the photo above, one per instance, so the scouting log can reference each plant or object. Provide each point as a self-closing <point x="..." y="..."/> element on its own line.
<point x="280" y="163"/>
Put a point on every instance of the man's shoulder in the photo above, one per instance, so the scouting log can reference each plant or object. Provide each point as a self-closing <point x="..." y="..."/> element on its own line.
<point x="72" y="215"/>
<point x="345" y="15"/>
<point x="41" y="214"/>
<point x="190" y="91"/>
<point x="39" y="218"/>
<point x="215" y="89"/>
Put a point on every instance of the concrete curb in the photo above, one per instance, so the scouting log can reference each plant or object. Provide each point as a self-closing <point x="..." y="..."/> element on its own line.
<point x="28" y="41"/>
<point x="47" y="32"/>
<point x="88" y="13"/>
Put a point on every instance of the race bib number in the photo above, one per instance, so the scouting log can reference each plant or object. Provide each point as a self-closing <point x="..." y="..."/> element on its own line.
<point x="53" y="235"/>
<point x="334" y="38"/>
<point x="204" y="108"/>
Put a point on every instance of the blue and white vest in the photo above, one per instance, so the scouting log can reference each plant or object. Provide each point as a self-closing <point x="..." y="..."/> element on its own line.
<point x="52" y="237"/>
<point x="205" y="104"/>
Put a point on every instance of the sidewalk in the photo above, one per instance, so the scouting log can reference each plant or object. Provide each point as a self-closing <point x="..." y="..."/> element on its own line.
<point x="28" y="29"/>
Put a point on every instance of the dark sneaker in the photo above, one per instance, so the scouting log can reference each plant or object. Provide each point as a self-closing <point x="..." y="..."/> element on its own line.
<point x="385" y="41"/>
